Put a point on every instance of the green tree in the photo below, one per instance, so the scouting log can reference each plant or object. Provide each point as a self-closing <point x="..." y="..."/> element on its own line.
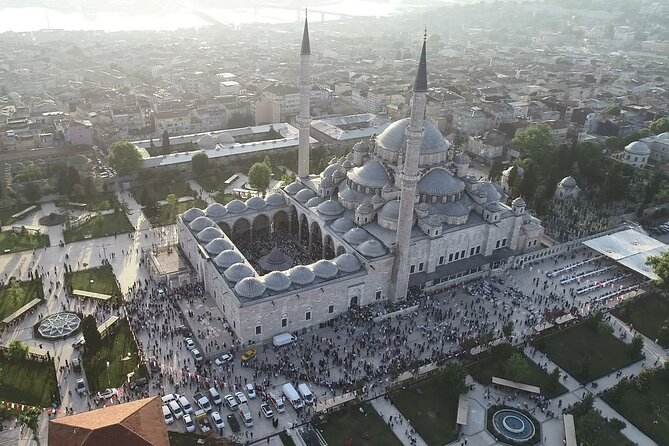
<point x="15" y="292"/>
<point x="454" y="375"/>
<point x="660" y="125"/>
<point x="534" y="140"/>
<point x="259" y="177"/>
<point x="516" y="368"/>
<point x="660" y="265"/>
<point x="273" y="134"/>
<point x="89" y="328"/>
<point x="32" y="192"/>
<point x="125" y="158"/>
<point x="266" y="161"/>
<point x="17" y="351"/>
<point x="165" y="148"/>
<point x="495" y="171"/>
<point x="507" y="329"/>
<point x="553" y="382"/>
<point x="613" y="143"/>
<point x="612" y="110"/>
<point x="200" y="164"/>
<point x="663" y="334"/>
<point x="287" y="178"/>
<point x="636" y="347"/>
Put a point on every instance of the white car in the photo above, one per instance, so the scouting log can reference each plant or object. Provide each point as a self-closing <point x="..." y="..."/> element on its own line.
<point x="190" y="345"/>
<point x="197" y="355"/>
<point x="218" y="421"/>
<point x="81" y="386"/>
<point x="241" y="397"/>
<point x="251" y="391"/>
<point x="225" y="358"/>
<point x="231" y="402"/>
<point x="169" y="419"/>
<point x="188" y="421"/>
<point x="107" y="394"/>
<point x="266" y="410"/>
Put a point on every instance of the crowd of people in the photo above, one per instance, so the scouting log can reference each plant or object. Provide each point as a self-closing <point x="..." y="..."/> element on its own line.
<point x="263" y="243"/>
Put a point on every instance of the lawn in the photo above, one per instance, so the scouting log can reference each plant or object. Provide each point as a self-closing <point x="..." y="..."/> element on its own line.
<point x="9" y="304"/>
<point x="97" y="280"/>
<point x="114" y="349"/>
<point x="432" y="407"/>
<point x="6" y="213"/>
<point x="160" y="187"/>
<point x="586" y="352"/>
<point x="495" y="365"/>
<point x="595" y="430"/>
<point x="161" y="216"/>
<point x="14" y="242"/>
<point x="27" y="382"/>
<point x="116" y="223"/>
<point x="646" y="314"/>
<point x="179" y="439"/>
<point x="644" y="402"/>
<point x="224" y="198"/>
<point x="351" y="427"/>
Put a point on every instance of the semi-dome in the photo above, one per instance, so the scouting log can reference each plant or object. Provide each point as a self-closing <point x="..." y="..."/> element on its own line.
<point x="370" y="174"/>
<point x="347" y="263"/>
<point x="638" y="148"/>
<point x="208" y="234"/>
<point x="277" y="281"/>
<point x="206" y="141"/>
<point x="217" y="246"/>
<point x="393" y="138"/>
<point x="236" y="206"/>
<point x="346" y="165"/>
<point x="347" y="194"/>
<point x="361" y="146"/>
<point x="455" y="209"/>
<point x="227" y="258"/>
<point x="440" y="182"/>
<point x="461" y="158"/>
<point x="200" y="223"/>
<point x="491" y="192"/>
<point x="364" y="208"/>
<point x="305" y="195"/>
<point x="377" y="200"/>
<point x="294" y="187"/>
<point x="275" y="199"/>
<point x="216" y="210"/>
<point x="356" y="236"/>
<point x="301" y="275"/>
<point x="250" y="287"/>
<point x="325" y="269"/>
<point x="332" y="168"/>
<point x="568" y="182"/>
<point x="390" y="211"/>
<point x="191" y="214"/>
<point x="494" y="206"/>
<point x="314" y="202"/>
<point x="327" y="182"/>
<point x="330" y="208"/>
<point x="372" y="248"/>
<point x="342" y="225"/>
<point x="663" y="136"/>
<point x="256" y="203"/>
<point x="225" y="139"/>
<point x="518" y="202"/>
<point x="238" y="271"/>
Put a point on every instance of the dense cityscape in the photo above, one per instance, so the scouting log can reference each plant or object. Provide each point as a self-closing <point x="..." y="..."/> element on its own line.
<point x="403" y="223"/>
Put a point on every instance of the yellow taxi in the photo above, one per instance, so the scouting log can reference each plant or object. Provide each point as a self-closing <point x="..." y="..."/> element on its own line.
<point x="250" y="354"/>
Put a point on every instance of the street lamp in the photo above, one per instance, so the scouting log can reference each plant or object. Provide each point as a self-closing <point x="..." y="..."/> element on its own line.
<point x="108" y="379"/>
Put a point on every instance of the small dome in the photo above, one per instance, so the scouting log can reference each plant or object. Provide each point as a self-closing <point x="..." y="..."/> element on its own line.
<point x="390" y="211"/>
<point x="494" y="206"/>
<point x="294" y="187"/>
<point x="256" y="203"/>
<point x="423" y="207"/>
<point x="638" y="148"/>
<point x="330" y="208"/>
<point x="217" y="246"/>
<point x="461" y="158"/>
<point x="568" y="182"/>
<point x="370" y="174"/>
<point x="331" y="169"/>
<point x="236" y="206"/>
<point x="347" y="164"/>
<point x="347" y="194"/>
<point x="338" y="175"/>
<point x="325" y="269"/>
<point x="227" y="258"/>
<point x="327" y="182"/>
<point x="208" y="234"/>
<point x="301" y="275"/>
<point x="206" y="141"/>
<point x="342" y="225"/>
<point x="356" y="236"/>
<point x="518" y="203"/>
<point x="387" y="188"/>
<point x="491" y="192"/>
<point x="456" y="209"/>
<point x="377" y="200"/>
<point x="200" y="223"/>
<point x="276" y="199"/>
<point x="238" y="271"/>
<point x="277" y="281"/>
<point x="364" y="208"/>
<point x="225" y="139"/>
<point x="314" y="202"/>
<point x="216" y="210"/>
<point x="305" y="195"/>
<point x="250" y="287"/>
<point x="439" y="182"/>
<point x="191" y="214"/>
<point x="372" y="248"/>
<point x="361" y="147"/>
<point x="347" y="263"/>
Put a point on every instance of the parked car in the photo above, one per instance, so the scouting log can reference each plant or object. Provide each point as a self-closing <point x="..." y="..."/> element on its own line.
<point x="167" y="415"/>
<point x="197" y="355"/>
<point x="185" y="404"/>
<point x="251" y="391"/>
<point x="241" y="397"/>
<point x="225" y="358"/>
<point x="250" y="354"/>
<point x="217" y="420"/>
<point x="230" y="402"/>
<point x="266" y="410"/>
<point x="81" y="386"/>
<point x="107" y="394"/>
<point x="188" y="421"/>
<point x="203" y="402"/>
<point x="233" y="423"/>
<point x="190" y="345"/>
<point x="141" y="382"/>
<point x="76" y="364"/>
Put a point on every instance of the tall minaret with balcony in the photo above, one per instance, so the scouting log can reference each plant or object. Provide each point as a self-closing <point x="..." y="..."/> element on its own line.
<point x="304" y="119"/>
<point x="409" y="179"/>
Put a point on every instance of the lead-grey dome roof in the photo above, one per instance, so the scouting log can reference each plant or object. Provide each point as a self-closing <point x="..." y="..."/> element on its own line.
<point x="294" y="187"/>
<point x="238" y="271"/>
<point x="639" y="148"/>
<point x="216" y="210"/>
<point x="519" y="202"/>
<point x="236" y="206"/>
<point x="342" y="225"/>
<point x="356" y="236"/>
<point x="568" y="182"/>
<point x="347" y="263"/>
<point x="325" y="269"/>
<point x="461" y="158"/>
<point x="332" y="168"/>
<point x="330" y="208"/>
<point x="390" y="211"/>
<point x="191" y="214"/>
<point x="276" y="199"/>
<point x="393" y="138"/>
<point x="370" y="174"/>
<point x="314" y="202"/>
<point x="456" y="209"/>
<point x="440" y="182"/>
<point x="305" y="195"/>
<point x="494" y="207"/>
<point x="227" y="258"/>
<point x="301" y="275"/>
<point x="250" y="287"/>
<point x="277" y="281"/>
<point x="208" y="234"/>
<point x="256" y="203"/>
<point x="217" y="246"/>
<point x="200" y="223"/>
<point x="372" y="248"/>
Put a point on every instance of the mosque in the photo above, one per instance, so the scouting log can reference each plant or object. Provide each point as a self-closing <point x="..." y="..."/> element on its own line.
<point x="398" y="213"/>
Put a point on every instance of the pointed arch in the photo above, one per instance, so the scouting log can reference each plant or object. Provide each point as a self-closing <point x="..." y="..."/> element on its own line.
<point x="261" y="226"/>
<point x="328" y="247"/>
<point x="240" y="229"/>
<point x="225" y="228"/>
<point x="280" y="222"/>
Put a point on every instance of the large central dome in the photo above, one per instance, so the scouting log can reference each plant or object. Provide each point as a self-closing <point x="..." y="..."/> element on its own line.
<point x="393" y="138"/>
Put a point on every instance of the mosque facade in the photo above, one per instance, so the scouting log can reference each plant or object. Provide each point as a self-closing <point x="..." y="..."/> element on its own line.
<point x="399" y="212"/>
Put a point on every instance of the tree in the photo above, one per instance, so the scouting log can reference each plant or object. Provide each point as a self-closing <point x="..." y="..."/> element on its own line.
<point x="453" y="375"/>
<point x="660" y="265"/>
<point x="17" y="351"/>
<point x="92" y="338"/>
<point x="166" y="143"/>
<point x="273" y="134"/>
<point x="533" y="140"/>
<point x="663" y="334"/>
<point x="32" y="191"/>
<point x="636" y="347"/>
<point x="507" y="329"/>
<point x="171" y="204"/>
<point x="516" y="368"/>
<point x="15" y="293"/>
<point x="660" y="125"/>
<point x="259" y="176"/>
<point x="553" y="382"/>
<point x="125" y="158"/>
<point x="200" y="164"/>
<point x="612" y="110"/>
<point x="266" y="161"/>
<point x="287" y="178"/>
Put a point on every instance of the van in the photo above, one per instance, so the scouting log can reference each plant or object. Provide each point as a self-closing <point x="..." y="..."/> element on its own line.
<point x="215" y="397"/>
<point x="283" y="339"/>
<point x="292" y="396"/>
<point x="169" y="419"/>
<point x="306" y="393"/>
<point x="176" y="409"/>
<point x="185" y="404"/>
<point x="245" y="415"/>
<point x="277" y="401"/>
<point x="168" y="397"/>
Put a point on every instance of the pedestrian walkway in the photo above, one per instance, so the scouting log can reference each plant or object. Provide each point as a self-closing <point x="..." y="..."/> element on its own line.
<point x="199" y="190"/>
<point x="400" y="424"/>
<point x="630" y="431"/>
<point x="542" y="360"/>
<point x="135" y="214"/>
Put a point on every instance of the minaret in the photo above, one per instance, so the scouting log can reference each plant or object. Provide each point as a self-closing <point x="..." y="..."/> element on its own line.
<point x="304" y="120"/>
<point x="409" y="179"/>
